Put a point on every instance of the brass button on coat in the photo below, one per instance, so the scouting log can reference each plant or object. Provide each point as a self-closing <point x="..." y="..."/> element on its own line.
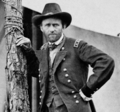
<point x="77" y="101"/>
<point x="69" y="81"/>
<point x="63" y="59"/>
<point x="73" y="91"/>
<point x="64" y="69"/>
<point x="62" y="48"/>
<point x="75" y="96"/>
<point x="66" y="75"/>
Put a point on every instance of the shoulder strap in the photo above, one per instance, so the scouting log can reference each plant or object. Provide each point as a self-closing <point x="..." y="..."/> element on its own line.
<point x="76" y="43"/>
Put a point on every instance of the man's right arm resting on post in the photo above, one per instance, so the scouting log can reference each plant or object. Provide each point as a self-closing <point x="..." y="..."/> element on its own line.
<point x="32" y="61"/>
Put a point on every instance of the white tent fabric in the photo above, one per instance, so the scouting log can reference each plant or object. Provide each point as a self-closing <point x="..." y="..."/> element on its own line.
<point x="96" y="15"/>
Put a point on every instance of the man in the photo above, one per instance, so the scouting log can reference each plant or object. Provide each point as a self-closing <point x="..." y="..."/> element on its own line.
<point x="62" y="65"/>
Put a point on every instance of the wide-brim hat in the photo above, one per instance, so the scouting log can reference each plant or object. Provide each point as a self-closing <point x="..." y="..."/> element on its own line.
<point x="52" y="10"/>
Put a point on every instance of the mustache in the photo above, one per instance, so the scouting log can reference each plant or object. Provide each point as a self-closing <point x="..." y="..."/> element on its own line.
<point x="52" y="34"/>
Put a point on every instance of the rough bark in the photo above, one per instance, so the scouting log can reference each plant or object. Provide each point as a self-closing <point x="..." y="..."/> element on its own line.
<point x="17" y="99"/>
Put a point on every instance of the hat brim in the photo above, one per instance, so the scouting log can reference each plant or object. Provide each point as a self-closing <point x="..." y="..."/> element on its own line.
<point x="64" y="16"/>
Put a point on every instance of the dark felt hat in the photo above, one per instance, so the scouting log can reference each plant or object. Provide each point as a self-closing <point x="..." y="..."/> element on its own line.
<point x="52" y="10"/>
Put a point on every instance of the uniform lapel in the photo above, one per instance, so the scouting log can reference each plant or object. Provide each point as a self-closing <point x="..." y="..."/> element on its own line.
<point x="59" y="57"/>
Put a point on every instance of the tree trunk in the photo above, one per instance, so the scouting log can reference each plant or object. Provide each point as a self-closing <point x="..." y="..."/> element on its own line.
<point x="17" y="99"/>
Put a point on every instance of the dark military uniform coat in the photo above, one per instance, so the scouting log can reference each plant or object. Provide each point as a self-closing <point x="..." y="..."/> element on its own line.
<point x="71" y="72"/>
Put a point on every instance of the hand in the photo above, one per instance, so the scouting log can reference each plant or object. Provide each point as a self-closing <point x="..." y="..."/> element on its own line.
<point x="21" y="41"/>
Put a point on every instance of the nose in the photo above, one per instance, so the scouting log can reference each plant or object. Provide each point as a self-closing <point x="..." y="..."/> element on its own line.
<point x="52" y="29"/>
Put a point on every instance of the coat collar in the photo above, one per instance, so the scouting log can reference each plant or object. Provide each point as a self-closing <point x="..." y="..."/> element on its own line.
<point x="44" y="57"/>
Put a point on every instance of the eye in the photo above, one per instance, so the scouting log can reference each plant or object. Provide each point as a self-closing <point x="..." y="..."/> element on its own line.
<point x="48" y="25"/>
<point x="55" y="25"/>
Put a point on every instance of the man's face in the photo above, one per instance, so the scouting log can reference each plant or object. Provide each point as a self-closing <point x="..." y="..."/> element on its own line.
<point x="52" y="29"/>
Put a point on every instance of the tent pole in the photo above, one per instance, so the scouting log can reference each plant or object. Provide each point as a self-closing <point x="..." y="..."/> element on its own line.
<point x="17" y="98"/>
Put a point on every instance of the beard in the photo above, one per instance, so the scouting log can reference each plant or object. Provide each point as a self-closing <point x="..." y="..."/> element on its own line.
<point x="52" y="37"/>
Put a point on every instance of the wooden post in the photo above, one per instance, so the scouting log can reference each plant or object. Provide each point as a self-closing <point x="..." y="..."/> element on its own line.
<point x="16" y="69"/>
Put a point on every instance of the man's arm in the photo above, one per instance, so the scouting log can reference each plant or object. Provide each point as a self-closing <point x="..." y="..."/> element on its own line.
<point x="102" y="64"/>
<point x="32" y="61"/>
